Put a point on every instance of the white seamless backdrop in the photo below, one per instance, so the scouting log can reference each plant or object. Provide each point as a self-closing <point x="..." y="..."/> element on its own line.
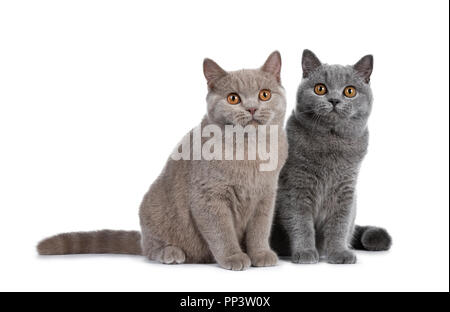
<point x="94" y="95"/>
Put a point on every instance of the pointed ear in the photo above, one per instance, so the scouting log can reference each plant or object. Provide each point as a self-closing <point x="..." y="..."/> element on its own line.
<point x="212" y="71"/>
<point x="310" y="62"/>
<point x="364" y="67"/>
<point x="273" y="65"/>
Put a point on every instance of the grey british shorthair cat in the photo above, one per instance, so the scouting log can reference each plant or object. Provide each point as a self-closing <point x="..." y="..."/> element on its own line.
<point x="200" y="211"/>
<point x="328" y="139"/>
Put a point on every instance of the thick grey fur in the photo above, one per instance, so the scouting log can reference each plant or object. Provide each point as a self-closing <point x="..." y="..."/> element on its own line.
<point x="328" y="139"/>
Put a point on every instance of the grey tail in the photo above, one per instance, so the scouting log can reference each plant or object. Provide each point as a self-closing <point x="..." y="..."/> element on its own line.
<point x="371" y="238"/>
<point x="96" y="242"/>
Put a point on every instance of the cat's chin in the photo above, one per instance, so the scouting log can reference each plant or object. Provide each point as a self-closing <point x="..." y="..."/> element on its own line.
<point x="260" y="122"/>
<point x="334" y="117"/>
<point x="252" y="122"/>
<point x="255" y="122"/>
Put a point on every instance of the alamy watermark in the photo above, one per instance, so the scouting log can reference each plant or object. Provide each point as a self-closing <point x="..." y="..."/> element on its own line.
<point x="235" y="143"/>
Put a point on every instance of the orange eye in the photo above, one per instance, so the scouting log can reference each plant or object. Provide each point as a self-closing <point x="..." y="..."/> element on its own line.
<point x="265" y="95"/>
<point x="350" y="92"/>
<point x="233" y="99"/>
<point x="320" y="89"/>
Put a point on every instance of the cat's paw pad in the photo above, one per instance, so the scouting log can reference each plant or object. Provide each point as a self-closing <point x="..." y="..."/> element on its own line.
<point x="309" y="256"/>
<point x="342" y="257"/>
<point x="172" y="255"/>
<point x="237" y="262"/>
<point x="264" y="258"/>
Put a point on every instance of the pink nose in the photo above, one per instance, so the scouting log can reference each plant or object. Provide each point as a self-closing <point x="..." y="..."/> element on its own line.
<point x="252" y="110"/>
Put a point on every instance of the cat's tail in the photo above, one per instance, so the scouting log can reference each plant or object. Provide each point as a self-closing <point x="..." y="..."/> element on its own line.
<point x="371" y="238"/>
<point x="96" y="242"/>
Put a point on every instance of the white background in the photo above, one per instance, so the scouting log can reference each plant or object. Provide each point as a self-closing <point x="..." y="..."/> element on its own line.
<point x="94" y="95"/>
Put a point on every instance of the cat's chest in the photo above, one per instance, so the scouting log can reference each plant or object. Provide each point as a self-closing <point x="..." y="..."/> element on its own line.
<point x="248" y="175"/>
<point x="329" y="153"/>
<point x="333" y="165"/>
<point x="255" y="166"/>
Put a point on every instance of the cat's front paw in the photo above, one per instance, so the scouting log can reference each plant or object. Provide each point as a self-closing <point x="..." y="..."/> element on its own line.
<point x="171" y="255"/>
<point x="237" y="262"/>
<point x="264" y="258"/>
<point x="308" y="256"/>
<point x="342" y="257"/>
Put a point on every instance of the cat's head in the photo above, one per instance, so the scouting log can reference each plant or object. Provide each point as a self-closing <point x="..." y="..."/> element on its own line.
<point x="248" y="96"/>
<point x="335" y="97"/>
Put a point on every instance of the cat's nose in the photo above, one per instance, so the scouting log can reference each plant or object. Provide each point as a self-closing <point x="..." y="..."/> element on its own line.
<point x="252" y="111"/>
<point x="334" y="101"/>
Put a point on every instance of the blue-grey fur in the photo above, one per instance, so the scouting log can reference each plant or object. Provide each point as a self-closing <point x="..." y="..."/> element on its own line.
<point x="328" y="139"/>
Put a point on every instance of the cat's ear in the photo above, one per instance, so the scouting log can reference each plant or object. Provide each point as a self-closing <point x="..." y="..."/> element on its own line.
<point x="273" y="65"/>
<point x="310" y="62"/>
<point x="212" y="71"/>
<point x="364" y="67"/>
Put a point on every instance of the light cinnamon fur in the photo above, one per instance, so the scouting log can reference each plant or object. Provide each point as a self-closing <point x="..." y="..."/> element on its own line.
<point x="200" y="211"/>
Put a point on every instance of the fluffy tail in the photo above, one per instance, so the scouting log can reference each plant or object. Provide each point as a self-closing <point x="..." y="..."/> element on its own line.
<point x="371" y="238"/>
<point x="97" y="242"/>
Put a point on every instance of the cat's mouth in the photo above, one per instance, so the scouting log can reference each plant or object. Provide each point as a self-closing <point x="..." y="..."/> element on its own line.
<point x="334" y="111"/>
<point x="258" y="121"/>
<point x="343" y="114"/>
<point x="263" y="118"/>
<point x="254" y="120"/>
<point x="331" y="115"/>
